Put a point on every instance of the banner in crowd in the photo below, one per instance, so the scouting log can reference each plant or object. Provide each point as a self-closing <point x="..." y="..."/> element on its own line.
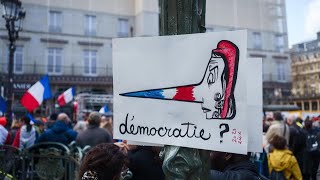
<point x="186" y="90"/>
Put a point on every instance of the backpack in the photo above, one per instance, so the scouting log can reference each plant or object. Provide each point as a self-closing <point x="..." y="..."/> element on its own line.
<point x="277" y="175"/>
<point x="312" y="144"/>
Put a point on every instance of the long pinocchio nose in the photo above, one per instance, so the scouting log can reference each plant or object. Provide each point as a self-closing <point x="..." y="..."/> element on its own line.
<point x="180" y="93"/>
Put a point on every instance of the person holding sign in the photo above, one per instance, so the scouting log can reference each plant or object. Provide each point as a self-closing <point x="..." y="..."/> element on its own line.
<point x="232" y="166"/>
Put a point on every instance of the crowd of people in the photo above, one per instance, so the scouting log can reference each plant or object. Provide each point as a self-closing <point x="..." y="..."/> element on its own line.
<point x="291" y="148"/>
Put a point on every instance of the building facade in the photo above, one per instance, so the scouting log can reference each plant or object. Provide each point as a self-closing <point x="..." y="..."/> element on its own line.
<point x="71" y="41"/>
<point x="306" y="74"/>
<point x="265" y="21"/>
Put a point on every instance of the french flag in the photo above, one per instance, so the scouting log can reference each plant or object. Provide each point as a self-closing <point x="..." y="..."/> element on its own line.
<point x="66" y="97"/>
<point x="34" y="97"/>
<point x="2" y="106"/>
<point x="104" y="109"/>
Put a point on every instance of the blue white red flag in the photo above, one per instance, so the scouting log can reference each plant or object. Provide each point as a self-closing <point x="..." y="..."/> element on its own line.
<point x="66" y="96"/>
<point x="34" y="97"/>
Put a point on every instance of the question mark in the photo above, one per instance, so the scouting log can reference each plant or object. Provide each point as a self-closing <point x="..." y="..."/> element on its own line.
<point x="226" y="129"/>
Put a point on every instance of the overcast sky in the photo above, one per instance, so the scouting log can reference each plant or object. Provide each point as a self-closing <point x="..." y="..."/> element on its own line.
<point x="303" y="20"/>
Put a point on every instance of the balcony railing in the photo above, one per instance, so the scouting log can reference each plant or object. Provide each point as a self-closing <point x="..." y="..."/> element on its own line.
<point x="72" y="70"/>
<point x="276" y="78"/>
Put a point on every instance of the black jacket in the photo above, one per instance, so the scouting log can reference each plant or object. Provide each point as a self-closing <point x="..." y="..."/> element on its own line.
<point x="144" y="165"/>
<point x="239" y="171"/>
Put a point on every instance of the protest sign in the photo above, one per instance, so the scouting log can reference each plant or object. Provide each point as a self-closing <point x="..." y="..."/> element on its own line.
<point x="186" y="90"/>
<point x="254" y="87"/>
<point x="254" y="100"/>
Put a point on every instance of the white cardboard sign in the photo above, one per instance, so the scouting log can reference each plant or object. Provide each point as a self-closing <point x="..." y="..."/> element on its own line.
<point x="254" y="87"/>
<point x="186" y="90"/>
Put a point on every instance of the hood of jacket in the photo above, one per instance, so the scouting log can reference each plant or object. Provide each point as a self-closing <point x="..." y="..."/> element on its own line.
<point x="280" y="159"/>
<point x="60" y="127"/>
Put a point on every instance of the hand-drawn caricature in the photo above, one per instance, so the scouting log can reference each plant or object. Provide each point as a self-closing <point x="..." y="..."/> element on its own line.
<point x="215" y="91"/>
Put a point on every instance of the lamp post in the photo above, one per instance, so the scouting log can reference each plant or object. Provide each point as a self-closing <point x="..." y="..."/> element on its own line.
<point x="14" y="14"/>
<point x="184" y="17"/>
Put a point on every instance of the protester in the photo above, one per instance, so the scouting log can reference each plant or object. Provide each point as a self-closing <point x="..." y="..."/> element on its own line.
<point x="39" y="126"/>
<point x="15" y="126"/>
<point x="232" y="167"/>
<point x="51" y="120"/>
<point x="93" y="135"/>
<point x="106" y="123"/>
<point x="312" y="152"/>
<point x="266" y="124"/>
<point x="278" y="127"/>
<point x="104" y="161"/>
<point x="26" y="135"/>
<point x="60" y="132"/>
<point x="4" y="134"/>
<point x="297" y="140"/>
<point x="282" y="161"/>
<point x="80" y="126"/>
<point x="145" y="163"/>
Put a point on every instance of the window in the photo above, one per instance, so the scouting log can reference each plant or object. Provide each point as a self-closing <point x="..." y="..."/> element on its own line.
<point x="281" y="71"/>
<point x="123" y="30"/>
<point x="18" y="59"/>
<point x="257" y="42"/>
<point x="55" y="21"/>
<point x="279" y="10"/>
<point x="90" y="62"/>
<point x="54" y="60"/>
<point x="279" y="25"/>
<point x="90" y="25"/>
<point x="279" y="43"/>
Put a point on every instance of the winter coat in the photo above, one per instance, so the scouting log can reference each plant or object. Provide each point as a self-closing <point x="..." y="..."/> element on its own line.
<point x="284" y="160"/>
<point x="278" y="128"/>
<point x="144" y="165"/>
<point x="60" y="132"/>
<point x="239" y="171"/>
<point x="24" y="139"/>
<point x="92" y="136"/>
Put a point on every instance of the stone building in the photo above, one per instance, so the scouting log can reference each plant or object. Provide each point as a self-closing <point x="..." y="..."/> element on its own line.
<point x="71" y="40"/>
<point x="266" y="23"/>
<point x="306" y="74"/>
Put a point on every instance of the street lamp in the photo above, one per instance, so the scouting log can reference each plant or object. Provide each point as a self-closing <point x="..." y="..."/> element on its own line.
<point x="14" y="14"/>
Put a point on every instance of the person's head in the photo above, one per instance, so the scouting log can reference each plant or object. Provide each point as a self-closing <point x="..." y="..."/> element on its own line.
<point x="53" y="117"/>
<point x="103" y="161"/>
<point x="299" y="120"/>
<point x="64" y="118"/>
<point x="106" y="122"/>
<point x="220" y="160"/>
<point x="39" y="124"/>
<point x="291" y="120"/>
<point x="278" y="142"/>
<point x="308" y="124"/>
<point x="278" y="116"/>
<point x="15" y="124"/>
<point x="80" y="126"/>
<point x="25" y="120"/>
<point x="94" y="118"/>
